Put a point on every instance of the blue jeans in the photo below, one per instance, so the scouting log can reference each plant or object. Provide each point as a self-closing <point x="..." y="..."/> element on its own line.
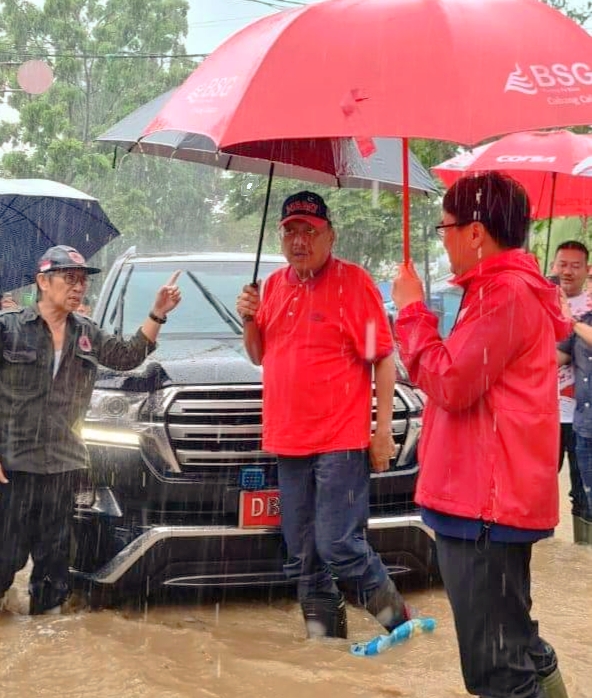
<point x="584" y="460"/>
<point x="325" y="509"/>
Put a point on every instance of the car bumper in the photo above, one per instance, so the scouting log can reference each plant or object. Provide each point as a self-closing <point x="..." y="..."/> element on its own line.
<point x="225" y="556"/>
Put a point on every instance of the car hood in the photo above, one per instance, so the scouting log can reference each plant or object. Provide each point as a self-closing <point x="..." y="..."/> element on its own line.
<point x="186" y="362"/>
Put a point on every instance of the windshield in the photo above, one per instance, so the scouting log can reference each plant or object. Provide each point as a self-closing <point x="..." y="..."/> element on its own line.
<point x="196" y="315"/>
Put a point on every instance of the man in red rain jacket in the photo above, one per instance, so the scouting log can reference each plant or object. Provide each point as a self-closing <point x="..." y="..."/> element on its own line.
<point x="492" y="491"/>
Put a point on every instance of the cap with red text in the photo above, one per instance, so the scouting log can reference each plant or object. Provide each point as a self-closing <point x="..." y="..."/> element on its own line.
<point x="306" y="206"/>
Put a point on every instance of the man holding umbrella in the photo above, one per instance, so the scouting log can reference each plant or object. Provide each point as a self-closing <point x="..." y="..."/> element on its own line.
<point x="320" y="332"/>
<point x="488" y="452"/>
<point x="48" y="364"/>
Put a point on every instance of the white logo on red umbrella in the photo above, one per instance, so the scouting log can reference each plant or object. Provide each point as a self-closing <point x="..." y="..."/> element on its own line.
<point x="556" y="77"/>
<point x="526" y="158"/>
<point x="519" y="82"/>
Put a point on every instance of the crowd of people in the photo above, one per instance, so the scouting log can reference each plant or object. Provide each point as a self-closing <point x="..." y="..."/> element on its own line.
<point x="486" y="487"/>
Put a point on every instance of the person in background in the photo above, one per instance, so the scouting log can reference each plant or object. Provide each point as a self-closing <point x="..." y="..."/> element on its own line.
<point x="321" y="333"/>
<point x="48" y="363"/>
<point x="570" y="266"/>
<point x="488" y="482"/>
<point x="576" y="352"/>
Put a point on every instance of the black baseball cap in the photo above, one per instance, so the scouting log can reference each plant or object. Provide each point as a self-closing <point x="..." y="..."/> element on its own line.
<point x="307" y="206"/>
<point x="64" y="257"/>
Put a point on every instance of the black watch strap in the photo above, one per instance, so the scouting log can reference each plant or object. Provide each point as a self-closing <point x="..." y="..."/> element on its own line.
<point x="159" y="320"/>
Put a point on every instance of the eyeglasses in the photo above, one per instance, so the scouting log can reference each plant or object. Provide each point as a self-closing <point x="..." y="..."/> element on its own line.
<point x="441" y="228"/>
<point x="287" y="233"/>
<point x="73" y="277"/>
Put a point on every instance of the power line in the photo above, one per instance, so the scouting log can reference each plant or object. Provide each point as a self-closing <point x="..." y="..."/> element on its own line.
<point x="46" y="54"/>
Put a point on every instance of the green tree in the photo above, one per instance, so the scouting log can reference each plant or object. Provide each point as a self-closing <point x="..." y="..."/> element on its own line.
<point x="108" y="58"/>
<point x="580" y="12"/>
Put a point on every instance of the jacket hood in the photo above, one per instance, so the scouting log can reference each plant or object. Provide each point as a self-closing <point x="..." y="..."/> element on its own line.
<point x="526" y="266"/>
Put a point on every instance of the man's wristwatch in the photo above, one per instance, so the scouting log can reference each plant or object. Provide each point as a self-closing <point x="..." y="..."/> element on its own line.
<point x="159" y="320"/>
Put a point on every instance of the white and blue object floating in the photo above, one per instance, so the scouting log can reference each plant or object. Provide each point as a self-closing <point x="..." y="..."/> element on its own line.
<point x="401" y="633"/>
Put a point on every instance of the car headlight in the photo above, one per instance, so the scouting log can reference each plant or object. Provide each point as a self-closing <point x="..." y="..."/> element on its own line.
<point x="113" y="418"/>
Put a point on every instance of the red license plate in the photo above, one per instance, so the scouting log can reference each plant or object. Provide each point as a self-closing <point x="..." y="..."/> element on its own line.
<point x="259" y="509"/>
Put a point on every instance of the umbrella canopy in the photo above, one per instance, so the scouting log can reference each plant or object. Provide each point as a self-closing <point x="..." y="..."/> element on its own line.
<point x="455" y="70"/>
<point x="542" y="161"/>
<point x="339" y="159"/>
<point x="36" y="214"/>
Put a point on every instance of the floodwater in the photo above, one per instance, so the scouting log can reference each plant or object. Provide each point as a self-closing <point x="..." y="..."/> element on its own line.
<point x="254" y="648"/>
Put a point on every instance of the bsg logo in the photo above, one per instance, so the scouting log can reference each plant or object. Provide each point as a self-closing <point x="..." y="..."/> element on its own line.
<point x="217" y="87"/>
<point x="548" y="77"/>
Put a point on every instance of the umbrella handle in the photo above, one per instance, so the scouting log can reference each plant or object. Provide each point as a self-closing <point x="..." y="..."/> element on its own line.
<point x="406" y="202"/>
<point x="551" y="204"/>
<point x="263" y="222"/>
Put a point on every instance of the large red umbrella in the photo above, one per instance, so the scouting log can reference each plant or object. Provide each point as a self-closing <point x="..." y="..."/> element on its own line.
<point x="457" y="70"/>
<point x="544" y="162"/>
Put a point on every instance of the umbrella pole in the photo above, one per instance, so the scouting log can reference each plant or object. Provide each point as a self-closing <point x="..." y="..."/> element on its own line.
<point x="553" y="183"/>
<point x="406" y="204"/>
<point x="263" y="222"/>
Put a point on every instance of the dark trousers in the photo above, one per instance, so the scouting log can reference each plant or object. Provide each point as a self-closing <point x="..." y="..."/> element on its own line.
<point x="35" y="519"/>
<point x="567" y="446"/>
<point x="488" y="585"/>
<point x="584" y="456"/>
<point x="325" y="509"/>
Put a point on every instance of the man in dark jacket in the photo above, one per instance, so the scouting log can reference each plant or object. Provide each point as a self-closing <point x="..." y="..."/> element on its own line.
<point x="48" y="364"/>
<point x="492" y="491"/>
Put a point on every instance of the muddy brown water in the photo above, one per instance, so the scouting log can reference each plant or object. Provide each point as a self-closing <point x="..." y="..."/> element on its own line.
<point x="254" y="648"/>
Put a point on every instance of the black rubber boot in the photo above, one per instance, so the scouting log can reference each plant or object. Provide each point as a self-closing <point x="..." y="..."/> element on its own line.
<point x="387" y="606"/>
<point x="325" y="617"/>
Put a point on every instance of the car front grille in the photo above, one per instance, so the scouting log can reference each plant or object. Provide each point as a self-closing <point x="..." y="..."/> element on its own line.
<point x="219" y="427"/>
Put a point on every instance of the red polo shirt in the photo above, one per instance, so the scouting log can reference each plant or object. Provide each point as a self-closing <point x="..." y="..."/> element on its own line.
<point x="320" y="339"/>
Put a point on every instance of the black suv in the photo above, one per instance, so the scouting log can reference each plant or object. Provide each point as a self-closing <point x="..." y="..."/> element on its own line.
<point x="179" y="492"/>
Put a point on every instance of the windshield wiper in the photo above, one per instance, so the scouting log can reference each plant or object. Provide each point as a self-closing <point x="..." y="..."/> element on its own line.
<point x="119" y="305"/>
<point x="223" y="311"/>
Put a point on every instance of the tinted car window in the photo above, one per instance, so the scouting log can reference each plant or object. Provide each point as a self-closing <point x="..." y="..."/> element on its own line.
<point x="194" y="315"/>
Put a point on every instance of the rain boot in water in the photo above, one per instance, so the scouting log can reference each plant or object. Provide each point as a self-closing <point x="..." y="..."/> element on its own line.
<point x="325" y="616"/>
<point x="553" y="686"/>
<point x="387" y="606"/>
<point x="582" y="530"/>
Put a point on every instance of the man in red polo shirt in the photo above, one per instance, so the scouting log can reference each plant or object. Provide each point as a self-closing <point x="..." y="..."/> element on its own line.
<point x="320" y="332"/>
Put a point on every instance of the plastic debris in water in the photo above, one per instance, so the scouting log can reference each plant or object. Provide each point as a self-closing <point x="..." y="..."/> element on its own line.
<point x="401" y="633"/>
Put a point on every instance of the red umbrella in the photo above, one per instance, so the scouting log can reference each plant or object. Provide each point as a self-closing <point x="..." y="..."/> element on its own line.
<point x="457" y="70"/>
<point x="543" y="161"/>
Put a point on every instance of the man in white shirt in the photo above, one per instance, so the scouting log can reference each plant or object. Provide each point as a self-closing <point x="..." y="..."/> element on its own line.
<point x="570" y="267"/>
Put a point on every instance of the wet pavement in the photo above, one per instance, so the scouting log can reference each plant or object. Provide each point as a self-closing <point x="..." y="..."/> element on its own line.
<point x="253" y="647"/>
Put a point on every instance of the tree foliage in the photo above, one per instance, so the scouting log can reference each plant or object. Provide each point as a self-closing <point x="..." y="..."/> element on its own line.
<point x="108" y="58"/>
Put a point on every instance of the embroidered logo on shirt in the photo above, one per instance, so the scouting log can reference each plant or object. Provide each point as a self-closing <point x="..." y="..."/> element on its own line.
<point x="84" y="343"/>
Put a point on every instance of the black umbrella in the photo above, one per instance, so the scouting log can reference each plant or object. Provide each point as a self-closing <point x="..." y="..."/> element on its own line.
<point x="36" y="214"/>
